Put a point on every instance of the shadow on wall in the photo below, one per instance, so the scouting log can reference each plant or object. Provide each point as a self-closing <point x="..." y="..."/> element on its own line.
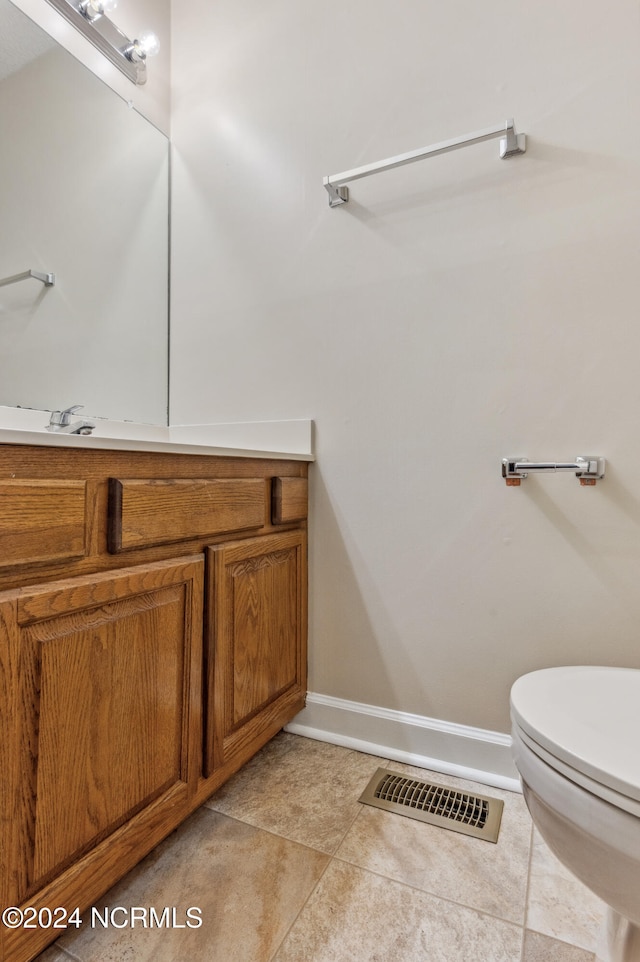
<point x="600" y="551"/>
<point x="351" y="634"/>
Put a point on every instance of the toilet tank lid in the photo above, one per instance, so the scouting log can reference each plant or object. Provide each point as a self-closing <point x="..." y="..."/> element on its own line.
<point x="586" y="716"/>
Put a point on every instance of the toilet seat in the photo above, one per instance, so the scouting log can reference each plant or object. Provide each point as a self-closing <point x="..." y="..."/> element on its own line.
<point x="585" y="723"/>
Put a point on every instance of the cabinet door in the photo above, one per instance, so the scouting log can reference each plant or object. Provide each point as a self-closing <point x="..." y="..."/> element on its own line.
<point x="100" y="680"/>
<point x="255" y="642"/>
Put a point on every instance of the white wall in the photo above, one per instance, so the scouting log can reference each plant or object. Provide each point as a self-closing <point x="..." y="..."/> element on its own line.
<point x="455" y="312"/>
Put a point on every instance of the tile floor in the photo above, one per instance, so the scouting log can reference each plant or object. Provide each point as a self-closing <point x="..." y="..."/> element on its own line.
<point x="286" y="866"/>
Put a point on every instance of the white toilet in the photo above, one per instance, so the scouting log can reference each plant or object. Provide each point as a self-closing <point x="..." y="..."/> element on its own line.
<point x="576" y="744"/>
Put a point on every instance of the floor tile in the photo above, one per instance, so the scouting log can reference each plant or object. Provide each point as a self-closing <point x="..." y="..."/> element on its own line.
<point x="302" y="789"/>
<point x="256" y="860"/>
<point x="540" y="948"/>
<point x="355" y="916"/>
<point x="485" y="876"/>
<point x="53" y="954"/>
<point x="559" y="904"/>
<point x="250" y="886"/>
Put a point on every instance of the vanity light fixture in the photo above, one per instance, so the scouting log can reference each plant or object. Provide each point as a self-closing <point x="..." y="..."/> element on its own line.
<point x="90" y="18"/>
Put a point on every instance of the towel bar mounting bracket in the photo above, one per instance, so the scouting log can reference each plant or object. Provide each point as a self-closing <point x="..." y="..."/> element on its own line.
<point x="47" y="278"/>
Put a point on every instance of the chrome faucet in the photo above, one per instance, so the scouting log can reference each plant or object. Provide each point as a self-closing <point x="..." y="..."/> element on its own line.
<point x="60" y="422"/>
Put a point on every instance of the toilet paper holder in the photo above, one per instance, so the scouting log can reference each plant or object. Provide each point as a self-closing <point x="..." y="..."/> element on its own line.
<point x="588" y="469"/>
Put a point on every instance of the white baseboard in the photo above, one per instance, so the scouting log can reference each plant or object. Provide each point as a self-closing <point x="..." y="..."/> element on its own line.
<point x="440" y="746"/>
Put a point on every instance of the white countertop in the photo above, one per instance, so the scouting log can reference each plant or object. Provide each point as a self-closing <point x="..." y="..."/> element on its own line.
<point x="290" y="440"/>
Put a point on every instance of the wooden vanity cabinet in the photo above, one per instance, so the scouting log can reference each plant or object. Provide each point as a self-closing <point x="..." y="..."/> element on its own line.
<point x="152" y="639"/>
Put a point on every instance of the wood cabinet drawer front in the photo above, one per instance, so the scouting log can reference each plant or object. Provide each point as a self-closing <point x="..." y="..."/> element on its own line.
<point x="289" y="497"/>
<point x="147" y="512"/>
<point x="42" y="521"/>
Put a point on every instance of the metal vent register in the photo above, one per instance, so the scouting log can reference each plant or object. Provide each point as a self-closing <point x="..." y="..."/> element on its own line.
<point x="474" y="815"/>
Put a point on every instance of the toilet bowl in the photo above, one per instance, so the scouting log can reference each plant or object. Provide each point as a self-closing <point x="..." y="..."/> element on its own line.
<point x="576" y="745"/>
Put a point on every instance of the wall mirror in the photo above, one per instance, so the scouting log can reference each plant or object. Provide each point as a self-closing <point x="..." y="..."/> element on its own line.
<point x="84" y="194"/>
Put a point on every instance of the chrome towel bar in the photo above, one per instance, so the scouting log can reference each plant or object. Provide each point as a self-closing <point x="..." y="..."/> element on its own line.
<point x="587" y="469"/>
<point x="47" y="279"/>
<point x="511" y="143"/>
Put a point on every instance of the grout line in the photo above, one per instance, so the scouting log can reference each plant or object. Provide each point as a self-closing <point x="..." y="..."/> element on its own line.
<point x="348" y="829"/>
<point x="433" y="895"/>
<point x="524" y="933"/>
<point x="54" y="947"/>
<point x="528" y="886"/>
<point x="563" y="942"/>
<point x="269" y="831"/>
<point x="330" y="859"/>
<point x="76" y="958"/>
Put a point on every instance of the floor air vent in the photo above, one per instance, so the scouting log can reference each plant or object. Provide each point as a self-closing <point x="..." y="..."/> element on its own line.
<point x="474" y="815"/>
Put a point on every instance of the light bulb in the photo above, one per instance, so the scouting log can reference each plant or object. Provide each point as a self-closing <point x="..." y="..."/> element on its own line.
<point x="147" y="45"/>
<point x="94" y="9"/>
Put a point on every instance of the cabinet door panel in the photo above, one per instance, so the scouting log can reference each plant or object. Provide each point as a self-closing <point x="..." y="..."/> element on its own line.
<point x="256" y="638"/>
<point x="106" y="689"/>
<point x="263" y="602"/>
